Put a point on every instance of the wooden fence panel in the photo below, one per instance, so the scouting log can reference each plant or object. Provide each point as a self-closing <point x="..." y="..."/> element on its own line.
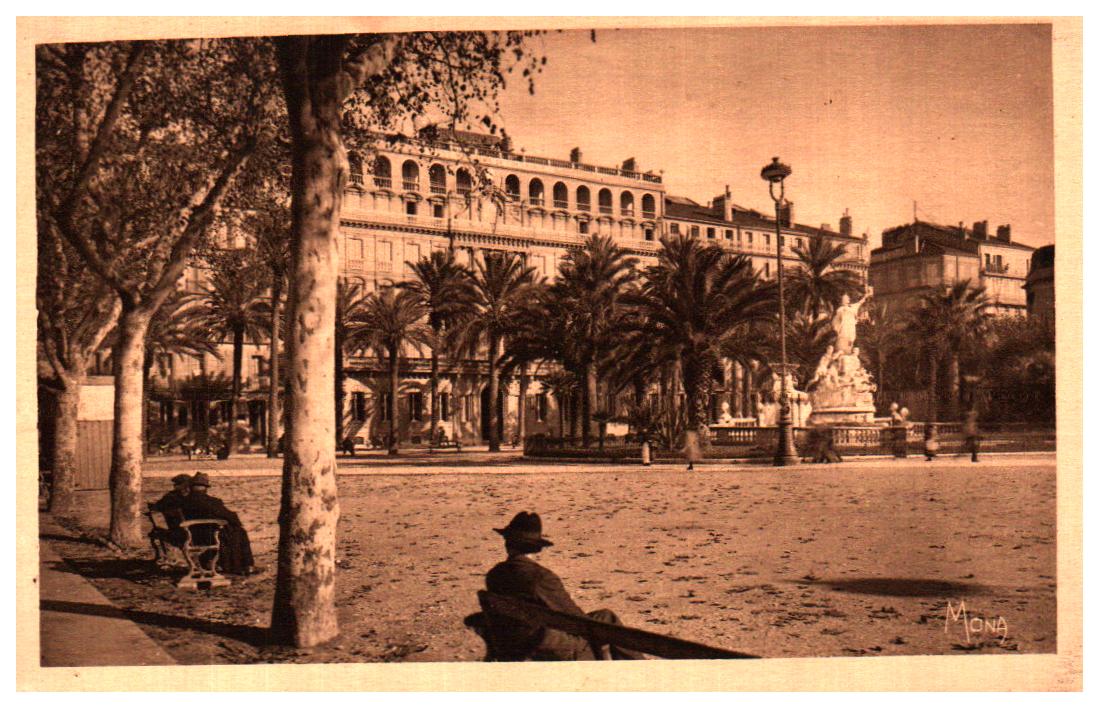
<point x="93" y="454"/>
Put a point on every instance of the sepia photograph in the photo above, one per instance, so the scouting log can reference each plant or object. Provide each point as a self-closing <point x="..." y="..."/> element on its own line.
<point x="445" y="341"/>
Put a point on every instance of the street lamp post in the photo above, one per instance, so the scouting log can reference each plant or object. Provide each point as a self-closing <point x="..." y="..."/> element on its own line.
<point x="785" y="453"/>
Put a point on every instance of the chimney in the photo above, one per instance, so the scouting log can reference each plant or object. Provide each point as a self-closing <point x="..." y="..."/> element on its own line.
<point x="845" y="223"/>
<point x="1003" y="233"/>
<point x="825" y="227"/>
<point x="629" y="165"/>
<point x="980" y="230"/>
<point x="786" y="213"/>
<point x="725" y="203"/>
<point x="575" y="155"/>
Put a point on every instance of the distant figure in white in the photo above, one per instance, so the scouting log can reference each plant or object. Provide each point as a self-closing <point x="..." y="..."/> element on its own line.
<point x="845" y="320"/>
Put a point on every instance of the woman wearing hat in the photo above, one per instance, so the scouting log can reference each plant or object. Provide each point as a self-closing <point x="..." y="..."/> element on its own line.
<point x="236" y="550"/>
<point x="522" y="578"/>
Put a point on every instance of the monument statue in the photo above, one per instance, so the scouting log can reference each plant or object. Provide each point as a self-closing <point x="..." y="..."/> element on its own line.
<point x="845" y="320"/>
<point x="841" y="391"/>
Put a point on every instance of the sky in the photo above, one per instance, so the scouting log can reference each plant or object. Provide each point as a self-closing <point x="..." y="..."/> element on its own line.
<point x="958" y="119"/>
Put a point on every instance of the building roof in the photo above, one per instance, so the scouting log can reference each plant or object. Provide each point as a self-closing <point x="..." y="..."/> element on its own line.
<point x="958" y="237"/>
<point x="676" y="207"/>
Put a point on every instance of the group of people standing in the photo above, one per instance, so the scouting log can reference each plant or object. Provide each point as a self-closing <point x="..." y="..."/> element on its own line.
<point x="189" y="500"/>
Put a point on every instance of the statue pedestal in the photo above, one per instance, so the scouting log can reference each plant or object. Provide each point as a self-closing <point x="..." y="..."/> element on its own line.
<point x="841" y="391"/>
<point x="854" y="415"/>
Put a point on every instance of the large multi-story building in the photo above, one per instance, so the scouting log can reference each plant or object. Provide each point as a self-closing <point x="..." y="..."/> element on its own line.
<point x="471" y="193"/>
<point x="920" y="257"/>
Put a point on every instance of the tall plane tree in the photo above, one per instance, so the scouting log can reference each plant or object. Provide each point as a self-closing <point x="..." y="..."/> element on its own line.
<point x="75" y="312"/>
<point x="137" y="145"/>
<point x="366" y="80"/>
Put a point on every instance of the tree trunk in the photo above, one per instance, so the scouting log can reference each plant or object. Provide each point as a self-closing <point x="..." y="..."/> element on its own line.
<point x="304" y="611"/>
<point x="146" y="438"/>
<point x="521" y="415"/>
<point x="339" y="390"/>
<point x="432" y="436"/>
<point x="562" y="402"/>
<point x="493" y="393"/>
<point x="394" y="387"/>
<point x="65" y="433"/>
<point x="234" y="403"/>
<point x="273" y="412"/>
<point x="587" y="404"/>
<point x="126" y="443"/>
<point x="932" y="388"/>
<point x="955" y="376"/>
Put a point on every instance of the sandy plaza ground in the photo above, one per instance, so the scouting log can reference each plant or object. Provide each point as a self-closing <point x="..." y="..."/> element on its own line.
<point x="869" y="557"/>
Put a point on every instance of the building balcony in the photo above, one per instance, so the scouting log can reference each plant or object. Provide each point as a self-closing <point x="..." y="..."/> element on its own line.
<point x="437" y="189"/>
<point x="357" y="178"/>
<point x="648" y="214"/>
<point x="606" y="209"/>
<point x="627" y="211"/>
<point x="583" y="206"/>
<point x="537" y="201"/>
<point x="411" y="185"/>
<point x="995" y="269"/>
<point x="560" y="203"/>
<point x="383" y="183"/>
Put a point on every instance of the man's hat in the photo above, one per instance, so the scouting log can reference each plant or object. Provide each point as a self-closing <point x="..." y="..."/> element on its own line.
<point x="526" y="529"/>
<point x="181" y="479"/>
<point x="200" y="480"/>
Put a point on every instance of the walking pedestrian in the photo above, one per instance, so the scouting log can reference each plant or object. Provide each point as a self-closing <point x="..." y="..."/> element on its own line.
<point x="972" y="438"/>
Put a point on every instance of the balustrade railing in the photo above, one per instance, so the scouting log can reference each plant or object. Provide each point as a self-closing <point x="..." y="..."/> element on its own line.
<point x="383" y="182"/>
<point x="438" y="189"/>
<point x="560" y="203"/>
<point x="411" y="185"/>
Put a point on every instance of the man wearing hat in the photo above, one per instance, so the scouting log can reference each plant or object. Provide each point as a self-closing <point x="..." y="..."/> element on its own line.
<point x="171" y="506"/>
<point x="236" y="550"/>
<point x="520" y="577"/>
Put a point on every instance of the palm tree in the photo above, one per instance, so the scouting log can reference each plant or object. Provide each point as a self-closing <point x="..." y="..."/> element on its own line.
<point x="232" y="306"/>
<point x="807" y="339"/>
<point x="387" y="321"/>
<point x="174" y="332"/>
<point x="880" y="336"/>
<point x="590" y="284"/>
<point x="350" y="299"/>
<point x="692" y="303"/>
<point x="444" y="288"/>
<point x="948" y="321"/>
<point x="271" y="228"/>
<point x="817" y="283"/>
<point x="501" y="284"/>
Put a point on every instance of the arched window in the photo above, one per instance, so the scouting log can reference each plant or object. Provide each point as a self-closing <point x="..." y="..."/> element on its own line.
<point x="648" y="206"/>
<point x="410" y="173"/>
<point x="583" y="199"/>
<point x="355" y="163"/>
<point x="511" y="186"/>
<point x="606" y="201"/>
<point x="436" y="174"/>
<point x="560" y="196"/>
<point x="382" y="175"/>
<point x="464" y="181"/>
<point x="625" y="201"/>
<point x="537" y="192"/>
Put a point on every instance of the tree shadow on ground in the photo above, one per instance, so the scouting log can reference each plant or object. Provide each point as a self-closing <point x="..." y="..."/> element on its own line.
<point x="69" y="539"/>
<point x="255" y="636"/>
<point x="900" y="587"/>
<point x="138" y="570"/>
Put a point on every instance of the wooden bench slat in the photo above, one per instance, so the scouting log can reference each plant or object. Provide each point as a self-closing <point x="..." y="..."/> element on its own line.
<point x="603" y="633"/>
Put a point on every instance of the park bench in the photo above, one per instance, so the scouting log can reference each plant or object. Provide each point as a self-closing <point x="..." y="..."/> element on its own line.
<point x="495" y="608"/>
<point x="443" y="442"/>
<point x="199" y="544"/>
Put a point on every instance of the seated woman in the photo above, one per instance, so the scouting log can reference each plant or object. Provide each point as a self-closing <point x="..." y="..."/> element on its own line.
<point x="236" y="550"/>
